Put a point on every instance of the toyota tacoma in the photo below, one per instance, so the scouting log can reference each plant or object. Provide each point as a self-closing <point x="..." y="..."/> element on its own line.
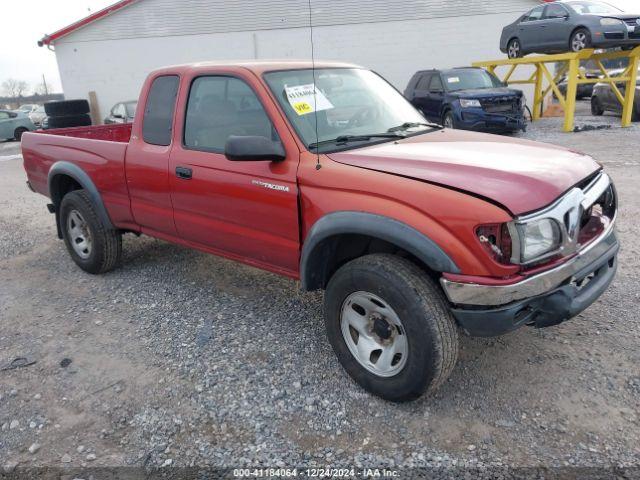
<point x="325" y="173"/>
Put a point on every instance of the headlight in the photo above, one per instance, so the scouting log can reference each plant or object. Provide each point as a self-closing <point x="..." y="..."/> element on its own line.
<point x="609" y="22"/>
<point x="537" y="239"/>
<point x="465" y="103"/>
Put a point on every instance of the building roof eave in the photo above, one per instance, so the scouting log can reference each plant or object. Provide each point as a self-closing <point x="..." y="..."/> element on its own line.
<point x="51" y="38"/>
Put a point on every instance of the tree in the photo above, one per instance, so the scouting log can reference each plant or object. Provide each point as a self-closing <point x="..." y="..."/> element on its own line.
<point x="14" y="88"/>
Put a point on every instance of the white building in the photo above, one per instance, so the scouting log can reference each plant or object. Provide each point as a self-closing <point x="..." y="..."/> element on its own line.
<point x="112" y="51"/>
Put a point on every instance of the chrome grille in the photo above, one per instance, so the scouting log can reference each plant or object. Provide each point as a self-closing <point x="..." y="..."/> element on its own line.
<point x="582" y="215"/>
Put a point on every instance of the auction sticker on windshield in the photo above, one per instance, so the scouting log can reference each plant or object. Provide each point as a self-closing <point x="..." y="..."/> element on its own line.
<point x="301" y="98"/>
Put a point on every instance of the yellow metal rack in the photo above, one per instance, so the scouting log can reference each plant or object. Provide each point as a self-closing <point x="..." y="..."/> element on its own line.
<point x="544" y="81"/>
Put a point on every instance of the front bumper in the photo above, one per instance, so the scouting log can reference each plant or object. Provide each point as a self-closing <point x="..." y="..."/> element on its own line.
<point x="478" y="120"/>
<point x="543" y="300"/>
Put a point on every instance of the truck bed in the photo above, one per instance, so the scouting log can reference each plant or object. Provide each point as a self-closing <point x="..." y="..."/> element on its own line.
<point x="113" y="133"/>
<point x="99" y="151"/>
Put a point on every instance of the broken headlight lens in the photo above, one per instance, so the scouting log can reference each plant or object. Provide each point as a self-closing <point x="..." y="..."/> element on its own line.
<point x="538" y="238"/>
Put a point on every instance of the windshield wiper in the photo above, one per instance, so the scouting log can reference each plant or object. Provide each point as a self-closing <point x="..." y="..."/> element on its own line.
<point x="344" y="139"/>
<point x="408" y="125"/>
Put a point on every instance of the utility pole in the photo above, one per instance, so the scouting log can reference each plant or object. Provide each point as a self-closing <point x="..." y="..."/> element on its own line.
<point x="44" y="83"/>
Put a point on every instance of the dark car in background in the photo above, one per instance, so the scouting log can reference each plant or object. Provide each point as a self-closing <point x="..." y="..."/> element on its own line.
<point x="570" y="26"/>
<point x="467" y="98"/>
<point x="604" y="98"/>
<point x="122" y="112"/>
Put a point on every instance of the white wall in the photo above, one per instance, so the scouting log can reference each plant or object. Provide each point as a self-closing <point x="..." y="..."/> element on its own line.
<point x="115" y="69"/>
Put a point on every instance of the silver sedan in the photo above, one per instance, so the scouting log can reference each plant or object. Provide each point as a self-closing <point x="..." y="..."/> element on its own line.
<point x="570" y="26"/>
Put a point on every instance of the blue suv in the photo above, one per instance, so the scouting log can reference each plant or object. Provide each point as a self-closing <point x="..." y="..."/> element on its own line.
<point x="467" y="98"/>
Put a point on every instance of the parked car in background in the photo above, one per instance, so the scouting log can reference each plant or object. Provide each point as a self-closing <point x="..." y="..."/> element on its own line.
<point x="122" y="112"/>
<point x="605" y="100"/>
<point x="27" y="108"/>
<point x="467" y="98"/>
<point x="570" y="26"/>
<point x="14" y="124"/>
<point x="37" y="116"/>
<point x="416" y="233"/>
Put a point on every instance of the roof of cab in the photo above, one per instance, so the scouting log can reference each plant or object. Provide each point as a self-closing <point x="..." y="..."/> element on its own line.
<point x="256" y="66"/>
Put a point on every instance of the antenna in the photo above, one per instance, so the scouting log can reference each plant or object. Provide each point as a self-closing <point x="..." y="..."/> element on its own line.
<point x="313" y="72"/>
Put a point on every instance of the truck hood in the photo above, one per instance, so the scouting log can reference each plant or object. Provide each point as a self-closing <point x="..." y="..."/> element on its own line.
<point x="521" y="175"/>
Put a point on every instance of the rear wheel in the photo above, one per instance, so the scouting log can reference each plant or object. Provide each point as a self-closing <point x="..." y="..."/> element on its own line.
<point x="390" y="327"/>
<point x="580" y="39"/>
<point x="596" y="107"/>
<point x="17" y="134"/>
<point x="93" y="246"/>
<point x="514" y="49"/>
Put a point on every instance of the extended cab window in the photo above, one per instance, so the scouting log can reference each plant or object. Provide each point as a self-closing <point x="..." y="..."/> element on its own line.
<point x="219" y="107"/>
<point x="158" y="113"/>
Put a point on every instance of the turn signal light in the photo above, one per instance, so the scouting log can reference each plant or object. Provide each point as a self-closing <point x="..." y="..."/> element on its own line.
<point x="496" y="241"/>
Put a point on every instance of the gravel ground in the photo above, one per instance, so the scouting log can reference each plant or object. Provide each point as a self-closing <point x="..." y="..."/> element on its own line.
<point x="178" y="358"/>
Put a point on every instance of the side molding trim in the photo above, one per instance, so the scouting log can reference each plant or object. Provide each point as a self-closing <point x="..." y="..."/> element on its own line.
<point x="377" y="226"/>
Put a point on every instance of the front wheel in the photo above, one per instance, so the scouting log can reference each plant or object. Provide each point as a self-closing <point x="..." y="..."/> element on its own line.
<point x="390" y="327"/>
<point x="580" y="39"/>
<point x="92" y="245"/>
<point x="447" y="119"/>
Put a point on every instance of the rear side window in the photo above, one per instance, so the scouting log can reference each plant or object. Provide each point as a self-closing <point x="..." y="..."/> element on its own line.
<point x="535" y="14"/>
<point x="158" y="113"/>
<point x="423" y="83"/>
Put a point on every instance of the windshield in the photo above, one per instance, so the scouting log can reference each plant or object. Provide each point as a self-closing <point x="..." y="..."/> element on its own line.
<point x="469" y="79"/>
<point x="349" y="102"/>
<point x="596" y="8"/>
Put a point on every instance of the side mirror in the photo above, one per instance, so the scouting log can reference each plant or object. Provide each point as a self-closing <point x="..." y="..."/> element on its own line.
<point x="253" y="148"/>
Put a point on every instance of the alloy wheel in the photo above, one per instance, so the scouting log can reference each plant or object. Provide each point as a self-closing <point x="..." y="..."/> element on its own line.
<point x="514" y="49"/>
<point x="579" y="41"/>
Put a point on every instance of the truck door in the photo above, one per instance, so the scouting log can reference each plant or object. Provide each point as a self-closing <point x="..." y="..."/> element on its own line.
<point x="246" y="210"/>
<point x="147" y="160"/>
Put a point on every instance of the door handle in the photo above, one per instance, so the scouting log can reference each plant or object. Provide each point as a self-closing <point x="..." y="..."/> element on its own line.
<point x="184" y="173"/>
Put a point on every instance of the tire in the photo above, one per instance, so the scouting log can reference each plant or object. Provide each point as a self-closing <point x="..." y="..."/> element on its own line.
<point x="66" y="107"/>
<point x="78" y="218"/>
<point x="448" y="120"/>
<point x="580" y="39"/>
<point x="67" y="121"/>
<point x="596" y="107"/>
<point x="429" y="333"/>
<point x="17" y="134"/>
<point x="514" y="48"/>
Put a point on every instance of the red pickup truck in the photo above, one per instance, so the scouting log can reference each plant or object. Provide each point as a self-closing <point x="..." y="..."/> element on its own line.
<point x="328" y="175"/>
